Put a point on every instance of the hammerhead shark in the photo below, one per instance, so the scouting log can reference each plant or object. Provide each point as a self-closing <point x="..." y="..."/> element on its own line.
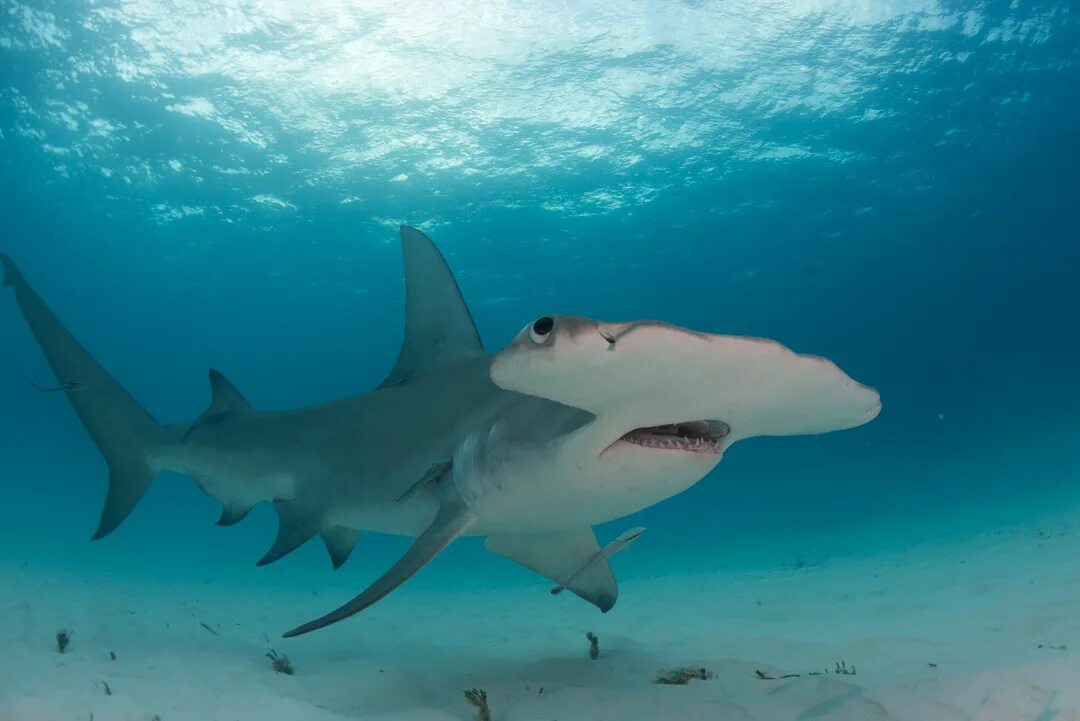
<point x="576" y="422"/>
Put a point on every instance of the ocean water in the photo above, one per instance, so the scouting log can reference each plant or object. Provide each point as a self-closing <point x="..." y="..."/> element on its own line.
<point x="891" y="184"/>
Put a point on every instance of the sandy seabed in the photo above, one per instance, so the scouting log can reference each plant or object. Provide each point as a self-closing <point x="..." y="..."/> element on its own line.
<point x="987" y="630"/>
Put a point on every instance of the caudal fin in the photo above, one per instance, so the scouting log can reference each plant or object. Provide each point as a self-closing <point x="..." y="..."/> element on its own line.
<point x="124" y="433"/>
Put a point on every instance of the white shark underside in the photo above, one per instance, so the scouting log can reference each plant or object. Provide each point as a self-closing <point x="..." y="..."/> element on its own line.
<point x="576" y="422"/>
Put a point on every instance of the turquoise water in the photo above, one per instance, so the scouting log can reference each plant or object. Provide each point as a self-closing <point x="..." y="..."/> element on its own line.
<point x="890" y="184"/>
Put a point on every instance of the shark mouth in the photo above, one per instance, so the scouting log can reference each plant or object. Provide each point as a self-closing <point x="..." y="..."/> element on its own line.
<point x="691" y="436"/>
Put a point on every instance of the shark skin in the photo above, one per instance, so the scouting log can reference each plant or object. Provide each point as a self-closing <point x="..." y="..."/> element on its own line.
<point x="576" y="422"/>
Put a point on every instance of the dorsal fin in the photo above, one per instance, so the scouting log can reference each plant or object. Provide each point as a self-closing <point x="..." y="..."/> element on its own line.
<point x="225" y="400"/>
<point x="438" y="326"/>
<point x="224" y="397"/>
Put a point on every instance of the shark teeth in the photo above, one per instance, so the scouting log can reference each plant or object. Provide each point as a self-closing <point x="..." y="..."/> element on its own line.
<point x="692" y="437"/>
<point x="694" y="445"/>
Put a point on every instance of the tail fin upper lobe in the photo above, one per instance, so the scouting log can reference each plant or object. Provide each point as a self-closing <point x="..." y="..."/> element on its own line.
<point x="123" y="431"/>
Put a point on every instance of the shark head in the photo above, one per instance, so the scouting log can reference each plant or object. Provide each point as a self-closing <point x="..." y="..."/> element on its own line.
<point x="668" y="401"/>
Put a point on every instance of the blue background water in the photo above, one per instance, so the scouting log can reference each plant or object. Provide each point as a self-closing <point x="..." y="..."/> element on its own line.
<point x="889" y="184"/>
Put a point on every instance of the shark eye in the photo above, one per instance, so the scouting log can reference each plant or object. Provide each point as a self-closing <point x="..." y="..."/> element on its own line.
<point x="541" y="329"/>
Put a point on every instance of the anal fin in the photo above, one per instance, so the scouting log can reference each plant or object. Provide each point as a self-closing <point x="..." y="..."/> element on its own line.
<point x="339" y="542"/>
<point x="559" y="556"/>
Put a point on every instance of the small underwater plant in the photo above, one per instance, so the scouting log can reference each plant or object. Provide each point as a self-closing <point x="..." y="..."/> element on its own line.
<point x="478" y="698"/>
<point x="594" y="645"/>
<point x="280" y="663"/>
<point x="800" y="563"/>
<point x="105" y="685"/>
<point x="112" y="655"/>
<point x="843" y="670"/>
<point x="682" y="675"/>
<point x="63" y="638"/>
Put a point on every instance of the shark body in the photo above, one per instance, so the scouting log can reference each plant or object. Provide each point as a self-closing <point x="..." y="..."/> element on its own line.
<point x="576" y="422"/>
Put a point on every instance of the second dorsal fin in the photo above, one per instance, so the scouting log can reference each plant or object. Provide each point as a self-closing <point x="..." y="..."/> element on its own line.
<point x="224" y="397"/>
<point x="438" y="326"/>
<point x="225" y="401"/>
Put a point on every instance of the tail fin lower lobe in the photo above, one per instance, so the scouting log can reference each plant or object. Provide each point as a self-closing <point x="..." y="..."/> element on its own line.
<point x="123" y="431"/>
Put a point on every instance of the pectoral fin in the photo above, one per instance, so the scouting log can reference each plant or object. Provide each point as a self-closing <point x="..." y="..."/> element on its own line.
<point x="429" y="479"/>
<point x="453" y="519"/>
<point x="570" y="558"/>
